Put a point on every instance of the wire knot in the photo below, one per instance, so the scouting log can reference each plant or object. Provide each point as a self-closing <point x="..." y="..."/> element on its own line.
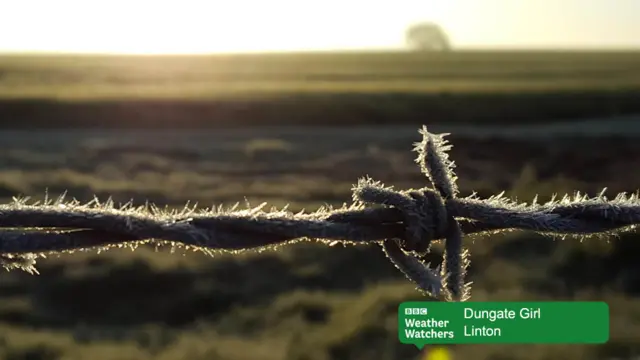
<point x="424" y="213"/>
<point x="425" y="218"/>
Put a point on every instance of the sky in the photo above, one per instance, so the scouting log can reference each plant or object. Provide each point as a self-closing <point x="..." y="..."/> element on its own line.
<point x="222" y="26"/>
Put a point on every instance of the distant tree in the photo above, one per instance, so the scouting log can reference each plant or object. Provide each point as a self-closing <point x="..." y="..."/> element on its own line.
<point x="427" y="36"/>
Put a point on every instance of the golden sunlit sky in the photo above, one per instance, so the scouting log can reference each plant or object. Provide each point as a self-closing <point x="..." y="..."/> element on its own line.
<point x="190" y="26"/>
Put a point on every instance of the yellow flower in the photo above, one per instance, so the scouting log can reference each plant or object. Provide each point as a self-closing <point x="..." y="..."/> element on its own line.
<point x="438" y="353"/>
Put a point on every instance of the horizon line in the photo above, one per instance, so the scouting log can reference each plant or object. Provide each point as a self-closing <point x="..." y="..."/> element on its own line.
<point x="322" y="51"/>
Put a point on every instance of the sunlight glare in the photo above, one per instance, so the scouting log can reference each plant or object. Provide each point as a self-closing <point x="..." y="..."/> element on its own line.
<point x="202" y="26"/>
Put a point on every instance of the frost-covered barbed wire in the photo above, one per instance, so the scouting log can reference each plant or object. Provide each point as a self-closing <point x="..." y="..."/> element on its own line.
<point x="404" y="223"/>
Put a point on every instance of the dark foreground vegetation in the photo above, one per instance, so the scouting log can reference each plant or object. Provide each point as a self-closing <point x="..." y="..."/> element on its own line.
<point x="310" y="89"/>
<point x="307" y="301"/>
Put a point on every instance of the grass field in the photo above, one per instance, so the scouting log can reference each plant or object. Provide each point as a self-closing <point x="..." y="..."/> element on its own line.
<point x="308" y="301"/>
<point x="208" y="77"/>
<point x="335" y="88"/>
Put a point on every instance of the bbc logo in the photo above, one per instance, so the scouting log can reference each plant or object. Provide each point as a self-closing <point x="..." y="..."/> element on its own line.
<point x="415" y="311"/>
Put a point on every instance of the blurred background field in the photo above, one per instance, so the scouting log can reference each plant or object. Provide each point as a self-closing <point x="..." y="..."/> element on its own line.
<point x="212" y="77"/>
<point x="348" y="88"/>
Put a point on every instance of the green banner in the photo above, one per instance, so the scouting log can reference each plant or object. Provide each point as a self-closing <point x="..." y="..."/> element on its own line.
<point x="424" y="323"/>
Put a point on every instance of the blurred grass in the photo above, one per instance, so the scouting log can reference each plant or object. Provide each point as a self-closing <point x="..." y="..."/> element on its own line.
<point x="230" y="76"/>
<point x="305" y="301"/>
<point x="315" y="88"/>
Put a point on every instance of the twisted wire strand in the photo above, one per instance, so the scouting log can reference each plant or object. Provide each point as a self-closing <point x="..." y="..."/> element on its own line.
<point x="404" y="223"/>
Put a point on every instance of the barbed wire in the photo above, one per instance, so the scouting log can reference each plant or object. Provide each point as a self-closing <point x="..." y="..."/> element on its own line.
<point x="404" y="223"/>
